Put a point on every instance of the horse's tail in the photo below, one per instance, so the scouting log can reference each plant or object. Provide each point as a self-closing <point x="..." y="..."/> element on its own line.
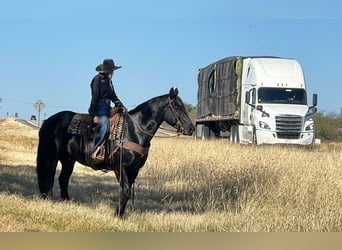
<point x="52" y="137"/>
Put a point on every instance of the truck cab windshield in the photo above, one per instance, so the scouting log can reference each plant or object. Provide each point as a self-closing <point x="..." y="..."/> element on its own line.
<point x="282" y="95"/>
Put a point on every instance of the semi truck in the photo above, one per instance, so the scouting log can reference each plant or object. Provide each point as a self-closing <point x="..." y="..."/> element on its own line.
<point x="255" y="100"/>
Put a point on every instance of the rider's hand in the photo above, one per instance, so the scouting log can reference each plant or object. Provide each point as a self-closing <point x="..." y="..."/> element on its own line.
<point x="96" y="119"/>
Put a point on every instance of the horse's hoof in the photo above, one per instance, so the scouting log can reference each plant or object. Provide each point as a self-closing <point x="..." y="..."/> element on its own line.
<point x="45" y="196"/>
<point x="118" y="214"/>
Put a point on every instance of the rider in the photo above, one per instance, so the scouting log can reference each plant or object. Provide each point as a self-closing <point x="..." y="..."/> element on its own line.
<point x="102" y="93"/>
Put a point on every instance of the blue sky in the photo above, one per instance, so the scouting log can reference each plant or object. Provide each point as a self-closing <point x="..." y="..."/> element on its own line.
<point x="49" y="51"/>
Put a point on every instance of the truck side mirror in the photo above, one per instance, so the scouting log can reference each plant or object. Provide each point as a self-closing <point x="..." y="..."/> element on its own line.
<point x="314" y="100"/>
<point x="313" y="108"/>
<point x="248" y="97"/>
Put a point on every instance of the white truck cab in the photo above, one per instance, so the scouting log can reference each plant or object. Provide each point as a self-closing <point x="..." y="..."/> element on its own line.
<point x="274" y="107"/>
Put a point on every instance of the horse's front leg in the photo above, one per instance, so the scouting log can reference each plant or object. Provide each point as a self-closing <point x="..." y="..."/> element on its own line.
<point x="125" y="194"/>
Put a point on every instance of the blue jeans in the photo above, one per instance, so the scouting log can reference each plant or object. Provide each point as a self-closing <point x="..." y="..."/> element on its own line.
<point x="103" y="124"/>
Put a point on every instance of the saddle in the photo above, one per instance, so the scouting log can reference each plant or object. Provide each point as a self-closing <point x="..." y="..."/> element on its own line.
<point x="82" y="125"/>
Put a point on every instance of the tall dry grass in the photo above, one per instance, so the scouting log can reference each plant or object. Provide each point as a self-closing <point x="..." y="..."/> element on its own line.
<point x="185" y="185"/>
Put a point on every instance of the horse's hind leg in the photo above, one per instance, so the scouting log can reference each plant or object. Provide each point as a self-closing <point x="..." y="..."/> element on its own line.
<point x="47" y="159"/>
<point x="46" y="171"/>
<point x="67" y="169"/>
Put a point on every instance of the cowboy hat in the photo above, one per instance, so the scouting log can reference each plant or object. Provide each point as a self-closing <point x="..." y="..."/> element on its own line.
<point x="108" y="65"/>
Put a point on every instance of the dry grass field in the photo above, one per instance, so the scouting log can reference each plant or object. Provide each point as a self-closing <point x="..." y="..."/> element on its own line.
<point x="185" y="186"/>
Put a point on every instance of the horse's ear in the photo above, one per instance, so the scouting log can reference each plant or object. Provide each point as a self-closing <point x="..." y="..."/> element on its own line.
<point x="173" y="93"/>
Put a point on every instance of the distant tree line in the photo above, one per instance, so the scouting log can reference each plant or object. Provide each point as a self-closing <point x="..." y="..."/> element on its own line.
<point x="192" y="111"/>
<point x="328" y="126"/>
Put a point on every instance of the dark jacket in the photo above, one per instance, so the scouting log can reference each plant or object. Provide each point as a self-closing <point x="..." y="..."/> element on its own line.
<point x="102" y="88"/>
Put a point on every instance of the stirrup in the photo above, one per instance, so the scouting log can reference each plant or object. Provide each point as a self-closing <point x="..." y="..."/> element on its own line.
<point x="98" y="154"/>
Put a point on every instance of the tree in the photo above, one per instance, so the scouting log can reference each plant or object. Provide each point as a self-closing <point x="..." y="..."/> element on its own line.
<point x="192" y="111"/>
<point x="328" y="127"/>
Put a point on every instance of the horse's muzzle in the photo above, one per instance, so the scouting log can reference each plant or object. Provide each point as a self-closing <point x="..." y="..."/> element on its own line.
<point x="188" y="131"/>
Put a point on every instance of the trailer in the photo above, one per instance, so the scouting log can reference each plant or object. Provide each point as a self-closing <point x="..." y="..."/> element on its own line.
<point x="259" y="100"/>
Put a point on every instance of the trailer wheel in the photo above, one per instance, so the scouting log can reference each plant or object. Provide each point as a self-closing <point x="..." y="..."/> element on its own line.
<point x="205" y="132"/>
<point x="202" y="132"/>
<point x="198" y="131"/>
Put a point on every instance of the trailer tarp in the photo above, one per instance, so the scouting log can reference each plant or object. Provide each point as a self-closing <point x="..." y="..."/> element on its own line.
<point x="219" y="88"/>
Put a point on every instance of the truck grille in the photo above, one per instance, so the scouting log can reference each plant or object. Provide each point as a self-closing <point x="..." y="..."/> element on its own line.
<point x="289" y="126"/>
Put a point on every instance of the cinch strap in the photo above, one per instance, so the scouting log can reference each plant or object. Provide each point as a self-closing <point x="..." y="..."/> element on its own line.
<point x="135" y="147"/>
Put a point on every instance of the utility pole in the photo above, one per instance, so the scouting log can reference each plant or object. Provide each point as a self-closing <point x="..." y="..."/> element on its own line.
<point x="39" y="105"/>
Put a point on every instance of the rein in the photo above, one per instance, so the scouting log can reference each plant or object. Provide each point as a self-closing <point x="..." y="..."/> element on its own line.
<point x="135" y="146"/>
<point x="173" y="111"/>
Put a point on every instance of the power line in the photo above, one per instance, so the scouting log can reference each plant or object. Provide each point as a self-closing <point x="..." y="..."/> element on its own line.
<point x="32" y="103"/>
<point x="53" y="105"/>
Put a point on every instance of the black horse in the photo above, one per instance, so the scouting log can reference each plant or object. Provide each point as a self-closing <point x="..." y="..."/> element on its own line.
<point x="139" y="126"/>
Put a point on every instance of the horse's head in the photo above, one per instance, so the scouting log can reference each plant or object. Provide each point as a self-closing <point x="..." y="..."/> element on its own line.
<point x="176" y="114"/>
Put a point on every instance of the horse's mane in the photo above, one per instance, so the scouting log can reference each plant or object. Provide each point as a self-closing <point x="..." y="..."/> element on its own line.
<point x="143" y="105"/>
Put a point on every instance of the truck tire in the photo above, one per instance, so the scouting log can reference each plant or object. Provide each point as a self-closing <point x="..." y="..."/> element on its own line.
<point x="202" y="132"/>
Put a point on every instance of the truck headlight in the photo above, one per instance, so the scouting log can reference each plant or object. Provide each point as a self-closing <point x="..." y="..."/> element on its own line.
<point x="310" y="127"/>
<point x="264" y="125"/>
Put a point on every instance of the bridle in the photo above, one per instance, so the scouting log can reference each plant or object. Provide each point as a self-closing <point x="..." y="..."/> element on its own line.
<point x="180" y="127"/>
